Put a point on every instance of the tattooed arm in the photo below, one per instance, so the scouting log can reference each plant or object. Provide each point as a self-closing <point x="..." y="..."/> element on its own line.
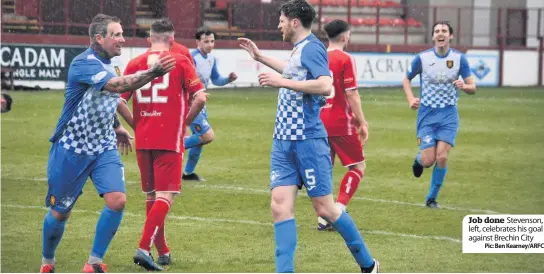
<point x="139" y="79"/>
<point x="116" y="121"/>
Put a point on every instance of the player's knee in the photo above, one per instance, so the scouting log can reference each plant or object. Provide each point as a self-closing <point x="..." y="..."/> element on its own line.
<point x="427" y="161"/>
<point x="166" y="195"/>
<point x="208" y="137"/>
<point x="442" y="159"/>
<point x="360" y="166"/>
<point x="60" y="216"/>
<point x="281" y="209"/>
<point x="115" y="200"/>
<point x="150" y="196"/>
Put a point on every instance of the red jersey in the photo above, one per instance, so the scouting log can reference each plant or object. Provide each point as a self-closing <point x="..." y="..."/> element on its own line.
<point x="181" y="49"/>
<point x="336" y="114"/>
<point x="160" y="107"/>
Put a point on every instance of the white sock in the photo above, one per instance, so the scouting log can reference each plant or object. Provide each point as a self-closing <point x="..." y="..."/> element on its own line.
<point x="94" y="260"/>
<point x="341" y="206"/>
<point x="48" y="261"/>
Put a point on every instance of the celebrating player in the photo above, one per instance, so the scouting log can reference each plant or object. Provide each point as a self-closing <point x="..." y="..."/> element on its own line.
<point x="437" y="117"/>
<point x="206" y="66"/>
<point x="300" y="151"/>
<point x="84" y="141"/>
<point x="343" y="116"/>
<point x="160" y="115"/>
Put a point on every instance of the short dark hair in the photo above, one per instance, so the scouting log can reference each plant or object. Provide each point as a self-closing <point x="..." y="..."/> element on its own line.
<point x="162" y="25"/>
<point x="9" y="101"/>
<point x="203" y="31"/>
<point x="99" y="25"/>
<point x="299" y="9"/>
<point x="442" y="23"/>
<point x="335" y="28"/>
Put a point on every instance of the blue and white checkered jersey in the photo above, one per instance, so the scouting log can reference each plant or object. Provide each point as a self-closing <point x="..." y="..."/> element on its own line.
<point x="86" y="122"/>
<point x="297" y="116"/>
<point x="437" y="74"/>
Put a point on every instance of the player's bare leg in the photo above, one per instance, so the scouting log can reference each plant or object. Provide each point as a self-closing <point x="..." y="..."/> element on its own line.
<point x="107" y="225"/>
<point x="424" y="159"/>
<point x="194" y="156"/>
<point x="207" y="137"/>
<point x="439" y="173"/>
<point x="345" y="225"/>
<point x="155" y="219"/>
<point x="52" y="234"/>
<point x="285" y="228"/>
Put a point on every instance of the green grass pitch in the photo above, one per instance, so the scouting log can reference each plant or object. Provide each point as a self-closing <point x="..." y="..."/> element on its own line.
<point x="225" y="224"/>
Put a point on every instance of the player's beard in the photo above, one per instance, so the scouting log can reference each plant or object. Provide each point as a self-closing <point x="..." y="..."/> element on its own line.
<point x="288" y="34"/>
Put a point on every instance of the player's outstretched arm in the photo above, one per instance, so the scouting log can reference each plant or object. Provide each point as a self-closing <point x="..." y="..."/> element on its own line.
<point x="199" y="101"/>
<point x="320" y="86"/>
<point x="255" y="53"/>
<point x="135" y="81"/>
<point x="218" y="79"/>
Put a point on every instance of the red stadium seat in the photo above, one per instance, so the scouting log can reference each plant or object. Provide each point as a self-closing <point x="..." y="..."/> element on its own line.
<point x="411" y="22"/>
<point x="384" y="21"/>
<point x="356" y="21"/>
<point x="370" y="21"/>
<point x="398" y="22"/>
<point x="392" y="4"/>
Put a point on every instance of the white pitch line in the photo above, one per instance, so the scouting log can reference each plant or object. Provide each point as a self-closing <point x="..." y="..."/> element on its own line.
<point x="238" y="188"/>
<point x="246" y="222"/>
<point x="253" y="190"/>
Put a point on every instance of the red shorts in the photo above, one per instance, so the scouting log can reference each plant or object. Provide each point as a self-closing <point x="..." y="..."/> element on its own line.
<point x="160" y="170"/>
<point x="348" y="148"/>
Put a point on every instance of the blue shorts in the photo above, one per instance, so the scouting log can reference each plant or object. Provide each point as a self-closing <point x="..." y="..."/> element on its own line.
<point x="305" y="162"/>
<point x="200" y="125"/>
<point x="68" y="171"/>
<point x="437" y="124"/>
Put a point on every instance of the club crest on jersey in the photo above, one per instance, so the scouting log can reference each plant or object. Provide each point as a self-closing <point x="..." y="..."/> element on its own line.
<point x="198" y="128"/>
<point x="117" y="70"/>
<point x="52" y="200"/>
<point x="449" y="64"/>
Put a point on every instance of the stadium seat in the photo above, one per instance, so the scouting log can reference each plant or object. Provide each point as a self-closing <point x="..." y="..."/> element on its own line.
<point x="411" y="22"/>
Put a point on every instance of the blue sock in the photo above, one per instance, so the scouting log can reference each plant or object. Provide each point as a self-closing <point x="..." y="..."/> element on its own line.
<point x="51" y="235"/>
<point x="285" y="233"/>
<point x="346" y="227"/>
<point x="106" y="227"/>
<point x="437" y="180"/>
<point x="192" y="160"/>
<point x="192" y="141"/>
<point x="418" y="158"/>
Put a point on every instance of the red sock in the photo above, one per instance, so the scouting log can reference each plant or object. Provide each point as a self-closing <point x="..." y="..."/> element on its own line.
<point x="160" y="238"/>
<point x="349" y="185"/>
<point x="155" y="219"/>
